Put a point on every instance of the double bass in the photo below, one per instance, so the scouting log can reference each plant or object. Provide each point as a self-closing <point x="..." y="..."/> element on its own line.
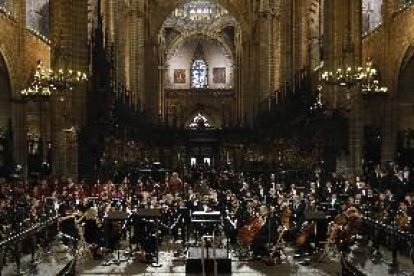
<point x="248" y="232"/>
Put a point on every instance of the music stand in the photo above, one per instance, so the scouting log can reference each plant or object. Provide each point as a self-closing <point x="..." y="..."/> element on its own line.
<point x="155" y="214"/>
<point x="204" y="218"/>
<point x="116" y="216"/>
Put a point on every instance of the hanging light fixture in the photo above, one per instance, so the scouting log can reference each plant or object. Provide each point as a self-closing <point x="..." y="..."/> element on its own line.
<point x="348" y="75"/>
<point x="39" y="88"/>
<point x="367" y="76"/>
<point x="45" y="81"/>
<point x="62" y="80"/>
<point x="370" y="81"/>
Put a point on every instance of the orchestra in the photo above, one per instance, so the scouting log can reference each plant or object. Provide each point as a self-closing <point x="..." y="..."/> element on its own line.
<point x="261" y="219"/>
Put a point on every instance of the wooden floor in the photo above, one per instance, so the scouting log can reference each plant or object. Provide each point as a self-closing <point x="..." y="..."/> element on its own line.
<point x="170" y="266"/>
<point x="56" y="260"/>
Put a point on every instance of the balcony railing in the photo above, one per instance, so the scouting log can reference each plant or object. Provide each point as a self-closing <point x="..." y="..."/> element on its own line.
<point x="201" y="92"/>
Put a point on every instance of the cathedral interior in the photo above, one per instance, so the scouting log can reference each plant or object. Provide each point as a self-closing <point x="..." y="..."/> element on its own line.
<point x="206" y="137"/>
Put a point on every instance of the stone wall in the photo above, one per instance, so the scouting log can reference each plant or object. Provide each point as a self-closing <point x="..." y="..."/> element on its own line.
<point x="20" y="50"/>
<point x="388" y="47"/>
<point x="214" y="56"/>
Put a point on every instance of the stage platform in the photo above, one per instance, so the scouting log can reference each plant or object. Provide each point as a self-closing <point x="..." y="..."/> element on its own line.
<point x="172" y="266"/>
<point x="177" y="265"/>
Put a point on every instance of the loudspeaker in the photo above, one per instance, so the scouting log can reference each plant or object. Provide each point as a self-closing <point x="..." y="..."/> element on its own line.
<point x="194" y="264"/>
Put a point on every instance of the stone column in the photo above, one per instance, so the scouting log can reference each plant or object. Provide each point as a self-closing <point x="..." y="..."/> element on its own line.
<point x="19" y="125"/>
<point x="69" y="35"/>
<point x="136" y="37"/>
<point x="348" y="100"/>
<point x="389" y="123"/>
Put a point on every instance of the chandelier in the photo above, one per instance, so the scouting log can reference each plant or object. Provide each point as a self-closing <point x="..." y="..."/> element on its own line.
<point x="370" y="81"/>
<point x="46" y="81"/>
<point x="63" y="80"/>
<point x="348" y="75"/>
<point x="39" y="88"/>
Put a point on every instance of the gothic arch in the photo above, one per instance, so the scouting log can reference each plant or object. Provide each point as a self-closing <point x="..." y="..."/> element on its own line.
<point x="406" y="64"/>
<point x="5" y="94"/>
<point x="4" y="58"/>
<point x="209" y="111"/>
<point x="182" y="39"/>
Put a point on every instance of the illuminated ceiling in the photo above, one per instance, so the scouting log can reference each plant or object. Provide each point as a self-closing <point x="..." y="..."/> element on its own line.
<point x="201" y="16"/>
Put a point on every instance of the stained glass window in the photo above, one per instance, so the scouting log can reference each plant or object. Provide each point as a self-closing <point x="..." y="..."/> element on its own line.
<point x="199" y="69"/>
<point x="199" y="73"/>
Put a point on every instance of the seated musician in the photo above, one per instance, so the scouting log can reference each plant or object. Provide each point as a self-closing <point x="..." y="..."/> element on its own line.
<point x="92" y="231"/>
<point x="175" y="184"/>
<point x="230" y="228"/>
<point x="68" y="223"/>
<point x="410" y="210"/>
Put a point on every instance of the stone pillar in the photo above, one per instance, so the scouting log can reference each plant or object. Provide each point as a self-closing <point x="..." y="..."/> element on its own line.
<point x="136" y="35"/>
<point x="238" y="75"/>
<point x="69" y="36"/>
<point x="161" y="77"/>
<point x="389" y="123"/>
<point x="348" y="100"/>
<point x="275" y="50"/>
<point x="18" y="108"/>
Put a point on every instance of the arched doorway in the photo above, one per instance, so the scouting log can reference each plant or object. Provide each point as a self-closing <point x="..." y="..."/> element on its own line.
<point x="5" y="120"/>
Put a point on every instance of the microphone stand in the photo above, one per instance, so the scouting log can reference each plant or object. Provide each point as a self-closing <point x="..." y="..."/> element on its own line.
<point x="269" y="228"/>
<point x="156" y="264"/>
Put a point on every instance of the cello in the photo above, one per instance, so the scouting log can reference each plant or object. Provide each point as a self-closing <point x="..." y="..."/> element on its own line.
<point x="308" y="228"/>
<point x="248" y="232"/>
<point x="286" y="217"/>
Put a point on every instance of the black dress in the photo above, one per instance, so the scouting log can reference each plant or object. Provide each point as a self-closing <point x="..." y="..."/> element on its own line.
<point x="91" y="231"/>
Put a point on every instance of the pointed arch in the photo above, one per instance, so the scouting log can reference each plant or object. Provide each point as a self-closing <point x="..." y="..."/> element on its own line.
<point x="5" y="93"/>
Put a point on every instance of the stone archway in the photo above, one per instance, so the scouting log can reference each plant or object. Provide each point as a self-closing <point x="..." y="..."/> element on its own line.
<point x="5" y="119"/>
<point x="210" y="112"/>
<point x="405" y="111"/>
<point x="405" y="93"/>
<point x="175" y="34"/>
<point x="5" y="94"/>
